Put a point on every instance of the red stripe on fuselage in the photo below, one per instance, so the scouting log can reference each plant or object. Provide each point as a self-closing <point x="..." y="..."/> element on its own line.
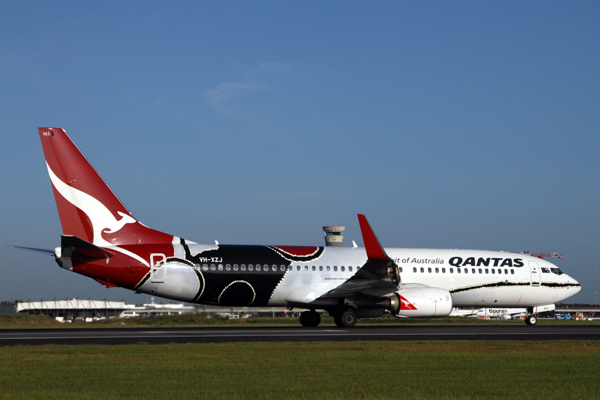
<point x="299" y="251"/>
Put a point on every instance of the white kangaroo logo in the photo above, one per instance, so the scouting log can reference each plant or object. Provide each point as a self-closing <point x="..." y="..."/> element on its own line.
<point x="100" y="216"/>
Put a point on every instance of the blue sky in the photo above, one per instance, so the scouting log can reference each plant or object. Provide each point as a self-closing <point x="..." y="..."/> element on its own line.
<point x="450" y="125"/>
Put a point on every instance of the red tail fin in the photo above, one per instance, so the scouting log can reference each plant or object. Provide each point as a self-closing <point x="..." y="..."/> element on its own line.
<point x="86" y="205"/>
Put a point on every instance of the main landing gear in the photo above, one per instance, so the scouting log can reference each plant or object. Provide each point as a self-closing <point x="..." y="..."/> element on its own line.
<point x="343" y="317"/>
<point x="310" y="319"/>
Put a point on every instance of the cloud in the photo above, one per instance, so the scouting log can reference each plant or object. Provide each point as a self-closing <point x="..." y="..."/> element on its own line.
<point x="235" y="96"/>
<point x="224" y="94"/>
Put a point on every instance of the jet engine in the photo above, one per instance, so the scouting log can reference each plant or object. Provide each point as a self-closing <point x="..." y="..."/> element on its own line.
<point x="421" y="302"/>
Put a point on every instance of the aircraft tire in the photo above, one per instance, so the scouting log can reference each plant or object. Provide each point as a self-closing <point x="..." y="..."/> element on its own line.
<point x="531" y="320"/>
<point x="345" y="318"/>
<point x="310" y="319"/>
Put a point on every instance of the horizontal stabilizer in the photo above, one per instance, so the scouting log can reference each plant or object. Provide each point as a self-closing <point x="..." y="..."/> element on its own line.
<point x="74" y="247"/>
<point x="35" y="250"/>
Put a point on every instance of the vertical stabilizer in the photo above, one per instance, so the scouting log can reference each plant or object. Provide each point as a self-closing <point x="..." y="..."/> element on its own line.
<point x="87" y="207"/>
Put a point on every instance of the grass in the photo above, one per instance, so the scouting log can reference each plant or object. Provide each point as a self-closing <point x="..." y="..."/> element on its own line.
<point x="27" y="321"/>
<point x="323" y="370"/>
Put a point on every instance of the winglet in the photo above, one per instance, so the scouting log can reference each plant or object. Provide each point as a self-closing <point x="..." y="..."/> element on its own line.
<point x="374" y="249"/>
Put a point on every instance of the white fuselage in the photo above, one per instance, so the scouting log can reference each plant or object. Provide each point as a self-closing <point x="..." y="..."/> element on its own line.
<point x="474" y="278"/>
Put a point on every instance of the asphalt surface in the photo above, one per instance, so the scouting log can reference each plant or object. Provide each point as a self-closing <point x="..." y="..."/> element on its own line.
<point x="10" y="337"/>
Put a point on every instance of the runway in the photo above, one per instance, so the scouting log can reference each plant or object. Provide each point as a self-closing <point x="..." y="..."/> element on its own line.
<point x="113" y="336"/>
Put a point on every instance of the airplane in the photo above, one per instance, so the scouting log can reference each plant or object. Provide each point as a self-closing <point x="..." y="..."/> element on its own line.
<point x="503" y="313"/>
<point x="102" y="240"/>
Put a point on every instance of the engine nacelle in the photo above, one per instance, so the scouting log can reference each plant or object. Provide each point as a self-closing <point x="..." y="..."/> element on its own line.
<point x="423" y="302"/>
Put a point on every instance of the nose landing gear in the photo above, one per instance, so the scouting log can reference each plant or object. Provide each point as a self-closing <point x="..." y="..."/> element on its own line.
<point x="531" y="319"/>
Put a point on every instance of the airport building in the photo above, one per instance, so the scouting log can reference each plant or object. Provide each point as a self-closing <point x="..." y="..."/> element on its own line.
<point x="76" y="310"/>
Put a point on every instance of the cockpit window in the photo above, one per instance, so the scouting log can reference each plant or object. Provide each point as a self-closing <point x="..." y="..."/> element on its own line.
<point x="556" y="271"/>
<point x="545" y="270"/>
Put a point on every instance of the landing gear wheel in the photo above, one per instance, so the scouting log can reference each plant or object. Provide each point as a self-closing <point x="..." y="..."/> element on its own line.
<point x="531" y="320"/>
<point x="310" y="319"/>
<point x="345" y="318"/>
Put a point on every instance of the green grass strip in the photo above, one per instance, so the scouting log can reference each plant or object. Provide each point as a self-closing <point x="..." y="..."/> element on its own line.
<point x="321" y="370"/>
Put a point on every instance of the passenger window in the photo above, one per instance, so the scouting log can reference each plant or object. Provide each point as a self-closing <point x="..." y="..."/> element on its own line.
<point x="480" y="270"/>
<point x="422" y="269"/>
<point x="243" y="267"/>
<point x="512" y="271"/>
<point x="343" y="269"/>
<point x="250" y="267"/>
<point x="228" y="267"/>
<point x="314" y="268"/>
<point x="473" y="270"/>
<point x="298" y="268"/>
<point x="306" y="267"/>
<point x="320" y="268"/>
<point x="235" y="267"/>
<point x="328" y="268"/>
<point x="283" y="268"/>
<point x="398" y="268"/>
<point x="486" y="271"/>
<point x="414" y="269"/>
<point x="493" y="271"/>
<point x="506" y="272"/>
<point x="443" y="270"/>
<point x="258" y="267"/>
<point x="350" y="269"/>
<point x="266" y="267"/>
<point x="429" y="270"/>
<point x="213" y="267"/>
<point x="205" y="267"/>
<point x="220" y="267"/>
<point x="437" y="270"/>
<point x="334" y="268"/>
<point x="452" y="270"/>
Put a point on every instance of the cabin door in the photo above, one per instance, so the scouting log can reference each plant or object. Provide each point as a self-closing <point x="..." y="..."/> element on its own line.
<point x="157" y="272"/>
<point x="535" y="272"/>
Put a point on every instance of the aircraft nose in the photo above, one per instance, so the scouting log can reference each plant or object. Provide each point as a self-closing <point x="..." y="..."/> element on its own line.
<point x="576" y="285"/>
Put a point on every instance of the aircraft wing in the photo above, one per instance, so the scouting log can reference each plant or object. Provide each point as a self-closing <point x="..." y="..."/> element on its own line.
<point x="377" y="278"/>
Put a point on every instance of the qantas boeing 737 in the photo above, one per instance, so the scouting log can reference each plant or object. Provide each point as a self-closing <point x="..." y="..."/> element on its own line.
<point x="103" y="241"/>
